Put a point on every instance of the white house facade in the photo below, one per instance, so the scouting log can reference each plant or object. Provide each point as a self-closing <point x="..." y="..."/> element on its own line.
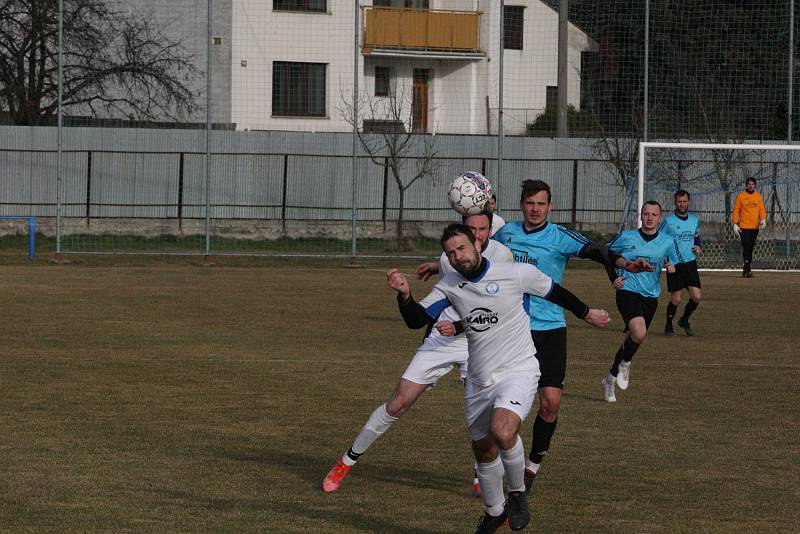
<point x="434" y="62"/>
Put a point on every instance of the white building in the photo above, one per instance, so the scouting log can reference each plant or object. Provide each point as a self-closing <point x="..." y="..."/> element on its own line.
<point x="292" y="63"/>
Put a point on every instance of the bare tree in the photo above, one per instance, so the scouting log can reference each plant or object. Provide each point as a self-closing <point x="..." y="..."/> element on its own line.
<point x="387" y="137"/>
<point x="116" y="62"/>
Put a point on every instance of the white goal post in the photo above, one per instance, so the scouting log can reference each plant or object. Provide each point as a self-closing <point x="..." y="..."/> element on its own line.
<point x="714" y="174"/>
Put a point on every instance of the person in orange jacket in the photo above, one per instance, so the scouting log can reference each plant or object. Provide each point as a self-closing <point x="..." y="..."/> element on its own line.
<point x="749" y="216"/>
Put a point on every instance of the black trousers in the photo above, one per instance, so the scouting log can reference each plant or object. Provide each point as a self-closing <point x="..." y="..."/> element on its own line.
<point x="748" y="243"/>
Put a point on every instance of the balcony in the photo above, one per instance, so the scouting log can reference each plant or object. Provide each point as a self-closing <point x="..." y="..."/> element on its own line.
<point x="420" y="32"/>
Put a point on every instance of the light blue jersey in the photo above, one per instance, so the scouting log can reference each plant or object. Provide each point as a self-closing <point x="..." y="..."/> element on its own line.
<point x="685" y="230"/>
<point x="633" y="245"/>
<point x="549" y="248"/>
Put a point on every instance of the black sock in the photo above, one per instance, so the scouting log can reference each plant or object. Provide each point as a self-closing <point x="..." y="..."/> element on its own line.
<point x="542" y="434"/>
<point x="672" y="309"/>
<point x="625" y="353"/>
<point x="691" y="306"/>
<point x="354" y="455"/>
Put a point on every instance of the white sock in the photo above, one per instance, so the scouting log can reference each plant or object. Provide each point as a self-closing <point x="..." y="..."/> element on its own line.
<point x="378" y="423"/>
<point x="532" y="467"/>
<point x="490" y="476"/>
<point x="514" y="465"/>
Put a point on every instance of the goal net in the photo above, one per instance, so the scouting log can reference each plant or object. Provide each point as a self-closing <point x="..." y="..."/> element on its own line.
<point x="714" y="174"/>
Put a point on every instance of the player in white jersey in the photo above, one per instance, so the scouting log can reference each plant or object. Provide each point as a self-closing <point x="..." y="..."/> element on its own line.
<point x="503" y="371"/>
<point x="497" y="221"/>
<point x="436" y="357"/>
<point x="442" y="267"/>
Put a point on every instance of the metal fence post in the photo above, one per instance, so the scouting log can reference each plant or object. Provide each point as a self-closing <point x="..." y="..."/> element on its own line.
<point x="60" y="128"/>
<point x="353" y="211"/>
<point x="207" y="251"/>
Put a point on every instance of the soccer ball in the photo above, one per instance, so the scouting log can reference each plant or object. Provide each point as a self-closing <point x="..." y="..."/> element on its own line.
<point x="469" y="192"/>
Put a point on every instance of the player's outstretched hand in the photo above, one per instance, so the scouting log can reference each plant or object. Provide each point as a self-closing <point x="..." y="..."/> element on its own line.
<point x="762" y="224"/>
<point x="446" y="328"/>
<point x="696" y="250"/>
<point x="398" y="282"/>
<point x="597" y="317"/>
<point x="619" y="281"/>
<point x="737" y="230"/>
<point x="426" y="270"/>
<point x="638" y="266"/>
<point x="670" y="266"/>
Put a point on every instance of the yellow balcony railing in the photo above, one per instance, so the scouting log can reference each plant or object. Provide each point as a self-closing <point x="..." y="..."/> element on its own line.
<point x="420" y="29"/>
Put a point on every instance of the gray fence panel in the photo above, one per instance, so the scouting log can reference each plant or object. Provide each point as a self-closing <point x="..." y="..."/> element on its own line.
<point x="134" y="185"/>
<point x="320" y="188"/>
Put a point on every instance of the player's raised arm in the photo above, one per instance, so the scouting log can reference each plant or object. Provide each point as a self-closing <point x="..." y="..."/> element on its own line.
<point x="611" y="260"/>
<point x="414" y="314"/>
<point x="567" y="300"/>
<point x="535" y="282"/>
<point x="397" y="281"/>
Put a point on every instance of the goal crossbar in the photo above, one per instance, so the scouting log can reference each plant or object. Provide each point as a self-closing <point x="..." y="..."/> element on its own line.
<point x="644" y="145"/>
<point x="780" y="248"/>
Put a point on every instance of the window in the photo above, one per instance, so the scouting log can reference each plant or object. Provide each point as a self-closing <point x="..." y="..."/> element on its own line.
<point x="298" y="89"/>
<point x="415" y="4"/>
<point x="382" y="78"/>
<point x="317" y="6"/>
<point x="513" y="24"/>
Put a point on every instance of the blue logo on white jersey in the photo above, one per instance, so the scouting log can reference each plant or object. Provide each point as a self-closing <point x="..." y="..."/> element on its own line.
<point x="492" y="288"/>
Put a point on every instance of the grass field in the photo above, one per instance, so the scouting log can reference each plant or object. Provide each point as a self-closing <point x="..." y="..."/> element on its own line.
<point x="166" y="396"/>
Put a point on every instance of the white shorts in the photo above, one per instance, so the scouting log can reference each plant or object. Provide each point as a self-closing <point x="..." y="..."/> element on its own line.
<point x="514" y="392"/>
<point x="427" y="367"/>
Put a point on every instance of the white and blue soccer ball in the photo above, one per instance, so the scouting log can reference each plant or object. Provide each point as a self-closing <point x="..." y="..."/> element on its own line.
<point x="469" y="191"/>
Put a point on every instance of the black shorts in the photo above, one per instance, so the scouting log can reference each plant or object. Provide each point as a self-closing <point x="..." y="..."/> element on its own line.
<point x="551" y="351"/>
<point x="632" y="305"/>
<point x="685" y="275"/>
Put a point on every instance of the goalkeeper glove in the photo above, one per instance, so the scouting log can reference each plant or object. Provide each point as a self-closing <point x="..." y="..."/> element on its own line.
<point x="762" y="224"/>
<point x="736" y="229"/>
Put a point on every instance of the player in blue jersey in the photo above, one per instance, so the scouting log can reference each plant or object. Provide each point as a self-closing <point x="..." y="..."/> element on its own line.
<point x="637" y="294"/>
<point x="549" y="247"/>
<point x="685" y="228"/>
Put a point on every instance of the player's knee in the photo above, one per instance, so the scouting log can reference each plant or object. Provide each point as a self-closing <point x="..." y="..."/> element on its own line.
<point x="505" y="438"/>
<point x="397" y="406"/>
<point x="548" y="409"/>
<point x="675" y="298"/>
<point x="638" y="336"/>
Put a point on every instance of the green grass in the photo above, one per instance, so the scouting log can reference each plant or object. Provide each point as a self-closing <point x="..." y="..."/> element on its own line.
<point x="160" y="395"/>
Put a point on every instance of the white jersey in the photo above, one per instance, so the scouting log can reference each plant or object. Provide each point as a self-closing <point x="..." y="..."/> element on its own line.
<point x="497" y="223"/>
<point x="497" y="324"/>
<point x="495" y="252"/>
<point x="491" y="251"/>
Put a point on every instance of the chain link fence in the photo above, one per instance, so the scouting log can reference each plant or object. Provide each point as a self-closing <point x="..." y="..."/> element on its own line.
<point x="322" y="128"/>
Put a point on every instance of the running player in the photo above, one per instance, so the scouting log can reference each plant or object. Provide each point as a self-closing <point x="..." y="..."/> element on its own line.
<point x="503" y="372"/>
<point x="637" y="294"/>
<point x="436" y="357"/>
<point x="549" y="247"/>
<point x="685" y="228"/>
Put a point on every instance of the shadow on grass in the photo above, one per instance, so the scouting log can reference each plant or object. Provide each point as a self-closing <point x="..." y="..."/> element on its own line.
<point x="313" y="469"/>
<point x="331" y="508"/>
